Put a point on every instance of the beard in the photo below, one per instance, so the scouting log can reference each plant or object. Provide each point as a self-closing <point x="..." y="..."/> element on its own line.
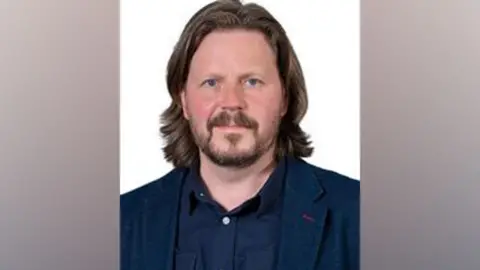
<point x="233" y="157"/>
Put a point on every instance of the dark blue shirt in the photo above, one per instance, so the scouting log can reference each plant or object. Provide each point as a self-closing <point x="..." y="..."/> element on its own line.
<point x="246" y="238"/>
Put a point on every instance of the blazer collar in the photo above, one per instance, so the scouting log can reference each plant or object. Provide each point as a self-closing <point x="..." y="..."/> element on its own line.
<point x="303" y="219"/>
<point x="161" y="217"/>
<point x="302" y="180"/>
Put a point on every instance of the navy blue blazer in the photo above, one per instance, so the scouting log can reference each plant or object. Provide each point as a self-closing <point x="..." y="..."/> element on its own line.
<point x="320" y="221"/>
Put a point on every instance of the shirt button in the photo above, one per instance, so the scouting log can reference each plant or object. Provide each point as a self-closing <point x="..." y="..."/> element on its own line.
<point x="226" y="220"/>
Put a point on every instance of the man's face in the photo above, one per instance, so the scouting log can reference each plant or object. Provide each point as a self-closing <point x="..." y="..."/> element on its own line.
<point x="233" y="97"/>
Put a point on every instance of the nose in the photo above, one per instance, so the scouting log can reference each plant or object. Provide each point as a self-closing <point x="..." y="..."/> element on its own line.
<point x="232" y="98"/>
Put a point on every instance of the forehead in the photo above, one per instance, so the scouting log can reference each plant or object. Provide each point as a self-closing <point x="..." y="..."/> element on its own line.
<point x="233" y="50"/>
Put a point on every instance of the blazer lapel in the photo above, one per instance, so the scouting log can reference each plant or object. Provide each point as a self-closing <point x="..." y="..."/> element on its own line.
<point x="160" y="223"/>
<point x="303" y="218"/>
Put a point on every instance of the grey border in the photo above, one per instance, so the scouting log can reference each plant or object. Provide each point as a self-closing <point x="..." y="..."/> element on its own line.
<point x="420" y="134"/>
<point x="59" y="141"/>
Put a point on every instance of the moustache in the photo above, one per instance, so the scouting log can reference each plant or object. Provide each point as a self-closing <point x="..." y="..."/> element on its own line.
<point x="238" y="119"/>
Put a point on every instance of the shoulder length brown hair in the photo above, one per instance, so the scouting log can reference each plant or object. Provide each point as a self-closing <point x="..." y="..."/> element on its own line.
<point x="180" y="148"/>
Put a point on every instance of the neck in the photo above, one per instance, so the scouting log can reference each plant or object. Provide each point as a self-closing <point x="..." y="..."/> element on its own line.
<point x="231" y="187"/>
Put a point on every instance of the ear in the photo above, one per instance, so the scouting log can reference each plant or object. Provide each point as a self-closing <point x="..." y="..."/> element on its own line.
<point x="183" y="99"/>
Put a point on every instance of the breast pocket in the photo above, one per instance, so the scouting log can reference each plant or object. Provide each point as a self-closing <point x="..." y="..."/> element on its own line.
<point x="185" y="261"/>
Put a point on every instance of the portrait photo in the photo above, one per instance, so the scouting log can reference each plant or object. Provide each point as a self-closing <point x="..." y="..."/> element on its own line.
<point x="240" y="133"/>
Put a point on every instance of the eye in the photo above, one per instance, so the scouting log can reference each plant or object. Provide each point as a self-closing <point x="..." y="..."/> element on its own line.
<point x="210" y="83"/>
<point x="252" y="82"/>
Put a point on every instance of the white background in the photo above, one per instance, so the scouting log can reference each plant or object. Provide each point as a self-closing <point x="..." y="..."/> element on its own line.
<point x="326" y="37"/>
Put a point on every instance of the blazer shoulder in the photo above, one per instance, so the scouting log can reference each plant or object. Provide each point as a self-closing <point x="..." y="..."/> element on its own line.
<point x="337" y="185"/>
<point x="342" y="193"/>
<point x="133" y="201"/>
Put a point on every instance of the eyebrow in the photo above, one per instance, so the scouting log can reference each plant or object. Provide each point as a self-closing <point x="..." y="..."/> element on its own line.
<point x="241" y="77"/>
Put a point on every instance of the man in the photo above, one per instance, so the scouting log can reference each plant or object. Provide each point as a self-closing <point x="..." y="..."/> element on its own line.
<point x="240" y="196"/>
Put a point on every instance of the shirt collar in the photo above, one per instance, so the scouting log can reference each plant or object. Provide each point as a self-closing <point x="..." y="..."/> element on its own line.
<point x="268" y="195"/>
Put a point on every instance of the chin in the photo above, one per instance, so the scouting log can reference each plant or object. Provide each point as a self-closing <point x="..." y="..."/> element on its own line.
<point x="227" y="148"/>
<point x="240" y="143"/>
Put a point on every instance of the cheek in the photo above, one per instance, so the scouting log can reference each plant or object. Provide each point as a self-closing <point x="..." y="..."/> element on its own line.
<point x="199" y="108"/>
<point x="269" y="120"/>
<point x="267" y="116"/>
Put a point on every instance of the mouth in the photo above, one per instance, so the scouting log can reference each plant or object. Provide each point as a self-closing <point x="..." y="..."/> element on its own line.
<point x="231" y="128"/>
